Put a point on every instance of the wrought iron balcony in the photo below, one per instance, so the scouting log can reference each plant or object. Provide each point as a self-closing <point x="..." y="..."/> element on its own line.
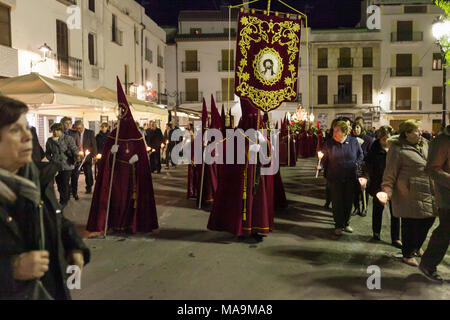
<point x="160" y="61"/>
<point x="406" y="104"/>
<point x="191" y="97"/>
<point x="406" y="36"/>
<point x="190" y="66"/>
<point x="406" y="72"/>
<point x="149" y="55"/>
<point x="68" y="66"/>
<point x="223" y="65"/>
<point x="221" y="96"/>
<point x="348" y="99"/>
<point x="162" y="98"/>
<point x="322" y="63"/>
<point x="345" y="62"/>
<point x="367" y="62"/>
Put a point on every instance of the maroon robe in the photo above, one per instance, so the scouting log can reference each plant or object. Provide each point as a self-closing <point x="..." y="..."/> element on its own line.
<point x="227" y="211"/>
<point x="132" y="206"/>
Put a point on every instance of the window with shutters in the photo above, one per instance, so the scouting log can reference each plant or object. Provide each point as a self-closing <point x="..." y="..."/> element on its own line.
<point x="367" y="57"/>
<point x="62" y="47"/>
<point x="322" y="90"/>
<point x="437" y="95"/>
<point x="367" y="88"/>
<point x="322" y="58"/>
<point x="437" y="61"/>
<point x="5" y="26"/>
<point x="92" y="5"/>
<point x="92" y="49"/>
<point x="127" y="84"/>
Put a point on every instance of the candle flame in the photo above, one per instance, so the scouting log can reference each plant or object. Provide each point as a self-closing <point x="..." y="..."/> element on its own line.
<point x="162" y="145"/>
<point x="81" y="153"/>
<point x="320" y="154"/>
<point x="87" y="153"/>
<point x="99" y="156"/>
<point x="148" y="149"/>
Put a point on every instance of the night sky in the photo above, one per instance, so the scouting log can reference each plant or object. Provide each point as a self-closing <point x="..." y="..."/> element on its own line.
<point x="322" y="14"/>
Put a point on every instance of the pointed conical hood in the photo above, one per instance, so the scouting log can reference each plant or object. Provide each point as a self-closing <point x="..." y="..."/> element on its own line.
<point x="216" y="121"/>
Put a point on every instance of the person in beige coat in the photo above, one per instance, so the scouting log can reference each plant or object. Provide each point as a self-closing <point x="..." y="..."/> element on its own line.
<point x="410" y="188"/>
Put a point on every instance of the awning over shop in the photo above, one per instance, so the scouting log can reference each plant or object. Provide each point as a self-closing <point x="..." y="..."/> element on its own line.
<point x="136" y="104"/>
<point x="35" y="89"/>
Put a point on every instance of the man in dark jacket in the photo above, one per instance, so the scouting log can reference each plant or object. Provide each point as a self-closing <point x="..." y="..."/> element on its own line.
<point x="154" y="138"/>
<point x="101" y="137"/>
<point x="67" y="124"/>
<point x="87" y="143"/>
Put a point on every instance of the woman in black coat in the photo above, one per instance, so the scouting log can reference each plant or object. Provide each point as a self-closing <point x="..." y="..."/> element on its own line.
<point x="374" y="165"/>
<point x="37" y="242"/>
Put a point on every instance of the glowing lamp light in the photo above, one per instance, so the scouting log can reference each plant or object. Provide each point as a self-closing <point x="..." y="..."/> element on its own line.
<point x="311" y="117"/>
<point x="149" y="85"/>
<point x="441" y="29"/>
<point x="320" y="155"/>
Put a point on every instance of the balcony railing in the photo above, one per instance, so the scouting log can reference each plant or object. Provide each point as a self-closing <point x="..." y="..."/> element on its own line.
<point x="406" y="105"/>
<point x="406" y="72"/>
<point x="345" y="62"/>
<point x="406" y="36"/>
<point x="160" y="61"/>
<point x="349" y="99"/>
<point x="367" y="62"/>
<point x="298" y="98"/>
<point x="191" y="97"/>
<point x="117" y="36"/>
<point x="322" y="63"/>
<point x="322" y="99"/>
<point x="162" y="98"/>
<point x="190" y="66"/>
<point x="69" y="67"/>
<point x="221" y="96"/>
<point x="223" y="65"/>
<point x="149" y="55"/>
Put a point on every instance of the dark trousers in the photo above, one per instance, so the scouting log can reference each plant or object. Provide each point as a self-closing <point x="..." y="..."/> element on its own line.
<point x="439" y="242"/>
<point x="342" y="193"/>
<point x="377" y="218"/>
<point x="358" y="198"/>
<point x="155" y="160"/>
<point x="327" y="194"/>
<point x="87" y="169"/>
<point x="414" y="233"/>
<point x="62" y="182"/>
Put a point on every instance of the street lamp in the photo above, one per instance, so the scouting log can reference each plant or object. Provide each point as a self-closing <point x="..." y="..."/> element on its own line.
<point x="46" y="51"/>
<point x="441" y="31"/>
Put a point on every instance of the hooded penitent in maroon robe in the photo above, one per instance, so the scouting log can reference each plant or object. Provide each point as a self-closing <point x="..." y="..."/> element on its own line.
<point x="238" y="212"/>
<point x="132" y="206"/>
<point x="286" y="152"/>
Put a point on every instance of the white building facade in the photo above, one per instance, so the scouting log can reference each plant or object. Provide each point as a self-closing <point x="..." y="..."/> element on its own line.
<point x="385" y="75"/>
<point x="92" y="42"/>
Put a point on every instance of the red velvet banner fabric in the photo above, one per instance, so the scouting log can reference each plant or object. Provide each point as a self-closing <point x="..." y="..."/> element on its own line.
<point x="267" y="59"/>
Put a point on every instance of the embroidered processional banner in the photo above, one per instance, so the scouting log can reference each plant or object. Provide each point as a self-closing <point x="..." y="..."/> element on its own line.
<point x="267" y="59"/>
